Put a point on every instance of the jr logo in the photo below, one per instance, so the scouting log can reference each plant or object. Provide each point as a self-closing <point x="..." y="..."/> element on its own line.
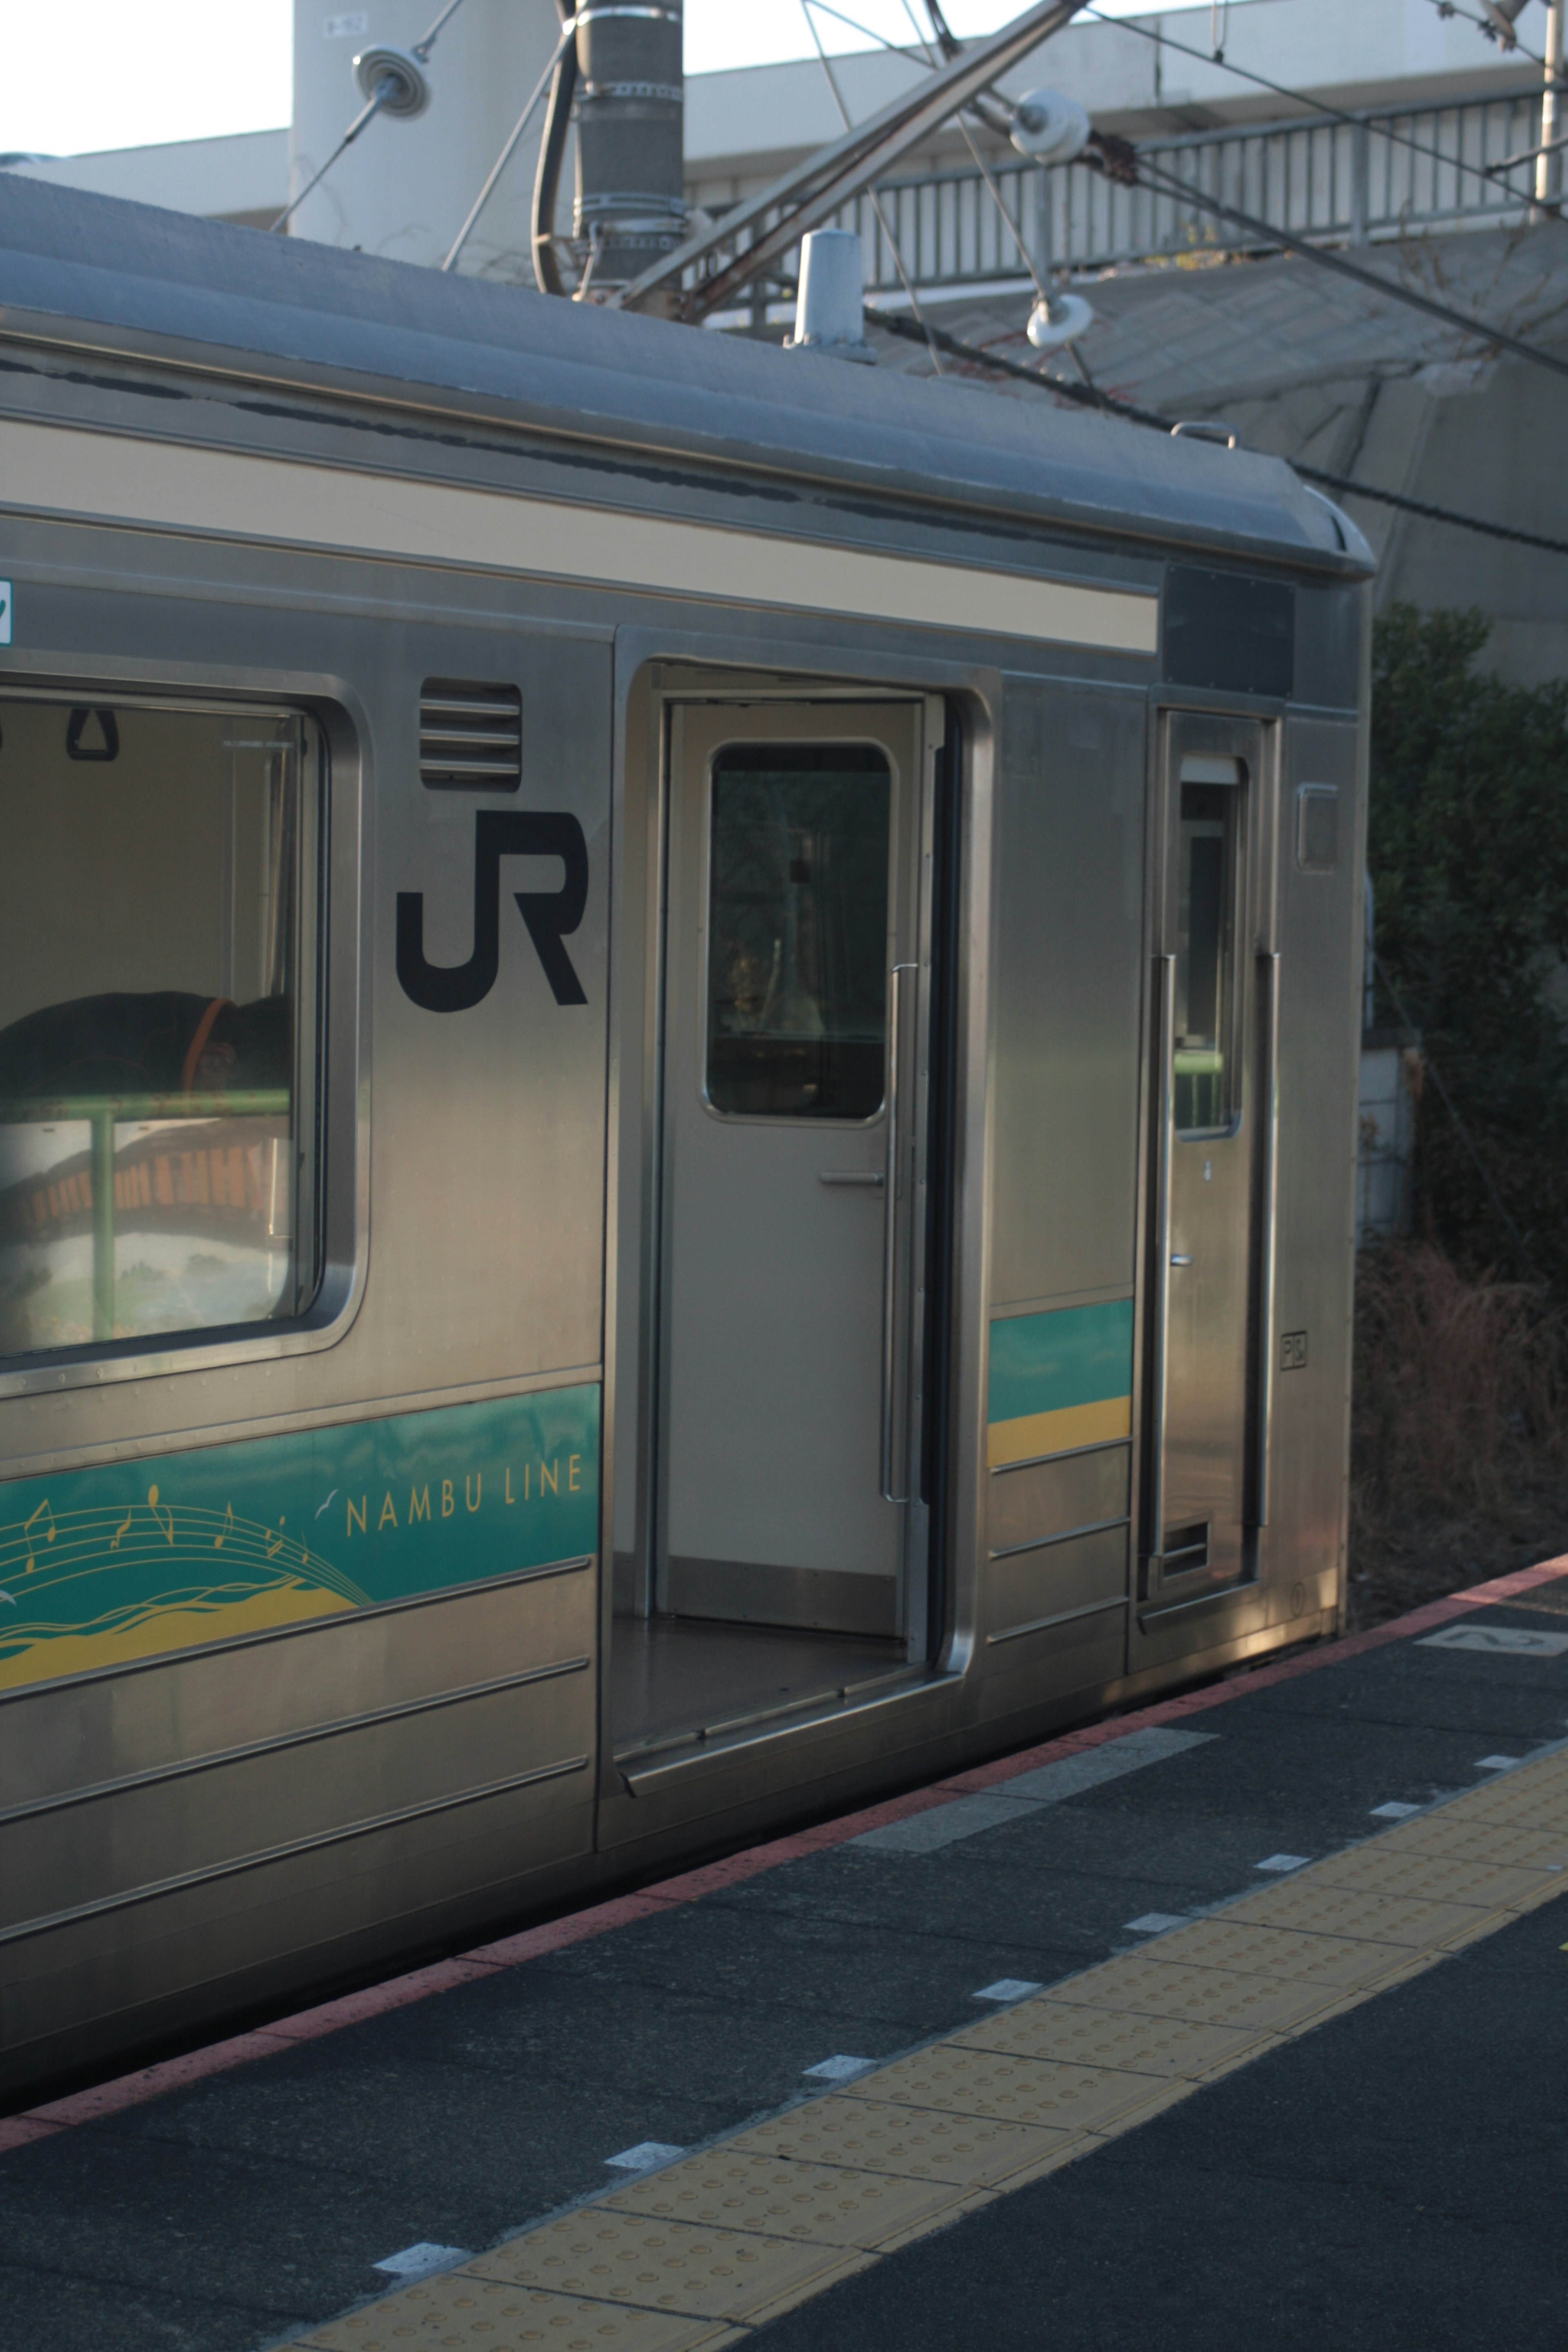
<point x="550" y="915"/>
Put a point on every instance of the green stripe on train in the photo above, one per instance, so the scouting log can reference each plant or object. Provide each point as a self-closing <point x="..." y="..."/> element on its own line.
<point x="1068" y="1356"/>
<point x="102" y="1566"/>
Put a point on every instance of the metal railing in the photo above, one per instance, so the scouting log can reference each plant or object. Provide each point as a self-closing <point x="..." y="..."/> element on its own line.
<point x="1348" y="182"/>
<point x="102" y="1115"/>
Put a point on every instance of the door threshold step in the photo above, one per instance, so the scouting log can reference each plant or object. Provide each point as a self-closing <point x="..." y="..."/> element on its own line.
<point x="721" y="1736"/>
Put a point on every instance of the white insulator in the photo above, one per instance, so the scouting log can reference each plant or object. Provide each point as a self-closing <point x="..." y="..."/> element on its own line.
<point x="830" y="304"/>
<point x="1050" y="126"/>
<point x="1058" y="321"/>
<point x="409" y="92"/>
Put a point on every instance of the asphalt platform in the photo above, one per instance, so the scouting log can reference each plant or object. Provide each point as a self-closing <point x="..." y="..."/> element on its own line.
<point x="1388" y="2174"/>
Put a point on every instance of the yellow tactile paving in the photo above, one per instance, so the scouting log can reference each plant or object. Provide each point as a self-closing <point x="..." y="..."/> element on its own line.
<point x="1439" y="1878"/>
<point x="1451" y="1831"/>
<point x="1360" y="1913"/>
<point x="1152" y="1986"/>
<point x="704" y="2273"/>
<point x="965" y="2082"/>
<point x="1233" y="1941"/>
<point x="1171" y="2048"/>
<point x="740" y="2189"/>
<point x="697" y="2255"/>
<point x="876" y="2136"/>
<point x="464" y="2314"/>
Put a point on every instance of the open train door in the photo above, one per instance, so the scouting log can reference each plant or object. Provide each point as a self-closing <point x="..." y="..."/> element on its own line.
<point x="1214" y="999"/>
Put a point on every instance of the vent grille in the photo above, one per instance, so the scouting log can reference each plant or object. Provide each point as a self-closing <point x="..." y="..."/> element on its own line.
<point x="470" y="737"/>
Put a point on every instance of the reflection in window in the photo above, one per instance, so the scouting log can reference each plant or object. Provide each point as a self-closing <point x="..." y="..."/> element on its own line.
<point x="1204" y="956"/>
<point x="797" y="930"/>
<point x="157" y="1019"/>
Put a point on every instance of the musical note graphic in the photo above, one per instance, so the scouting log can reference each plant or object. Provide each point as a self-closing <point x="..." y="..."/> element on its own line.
<point x="124" y="1529"/>
<point x="43" y="1511"/>
<point x="275" y="1548"/>
<point x="167" y="1526"/>
<point x="227" y="1529"/>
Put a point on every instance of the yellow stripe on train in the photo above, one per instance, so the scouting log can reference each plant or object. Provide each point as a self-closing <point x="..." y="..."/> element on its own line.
<point x="1058" y="1431"/>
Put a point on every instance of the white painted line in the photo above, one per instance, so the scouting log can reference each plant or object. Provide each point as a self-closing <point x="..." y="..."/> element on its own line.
<point x="645" y="2156"/>
<point x="1495" y="1763"/>
<point x="1284" y="1861"/>
<point x="1007" y="1988"/>
<point x="1154" y="1923"/>
<point x="839" y="2069"/>
<point x="1393" y="1810"/>
<point x="1501" y="1640"/>
<point x="1048" y="1784"/>
<point x="418" y="2261"/>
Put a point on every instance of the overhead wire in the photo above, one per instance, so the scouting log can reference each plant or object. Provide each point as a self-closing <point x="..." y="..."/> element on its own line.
<point x="1268" y="233"/>
<point x="1092" y="397"/>
<point x="1300" y="97"/>
<point x="805" y="6"/>
<point x="568" y="35"/>
<point x="383" y="91"/>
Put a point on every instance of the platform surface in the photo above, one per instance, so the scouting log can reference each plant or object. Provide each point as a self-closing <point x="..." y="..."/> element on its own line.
<point x="1241" y="2020"/>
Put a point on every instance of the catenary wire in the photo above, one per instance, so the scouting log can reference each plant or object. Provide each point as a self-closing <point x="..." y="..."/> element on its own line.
<point x="883" y="222"/>
<point x="1300" y="97"/>
<point x="1092" y="397"/>
<point x="1268" y="233"/>
<point x="365" y="116"/>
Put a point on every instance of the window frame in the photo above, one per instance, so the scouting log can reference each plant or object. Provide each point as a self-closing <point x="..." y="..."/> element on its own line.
<point x="804" y="1122"/>
<point x="338" y="1114"/>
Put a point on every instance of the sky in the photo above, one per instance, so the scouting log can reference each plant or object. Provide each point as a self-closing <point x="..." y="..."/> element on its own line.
<point x="86" y="74"/>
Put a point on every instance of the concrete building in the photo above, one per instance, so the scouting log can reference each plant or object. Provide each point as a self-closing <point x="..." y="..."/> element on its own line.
<point x="405" y="188"/>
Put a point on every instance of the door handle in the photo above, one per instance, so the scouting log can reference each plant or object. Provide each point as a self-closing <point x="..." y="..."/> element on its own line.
<point x="1180" y="1257"/>
<point x="889" y="1182"/>
<point x="851" y="1176"/>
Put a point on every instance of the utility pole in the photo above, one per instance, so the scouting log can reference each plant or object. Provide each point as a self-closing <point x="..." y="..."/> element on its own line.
<point x="1549" y="164"/>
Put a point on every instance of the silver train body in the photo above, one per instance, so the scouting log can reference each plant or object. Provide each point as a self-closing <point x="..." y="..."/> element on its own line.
<point x="678" y="1069"/>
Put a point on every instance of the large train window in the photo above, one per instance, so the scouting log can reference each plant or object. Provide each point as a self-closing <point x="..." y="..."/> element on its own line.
<point x="797" y="930"/>
<point x="1206" y="945"/>
<point x="158" y="946"/>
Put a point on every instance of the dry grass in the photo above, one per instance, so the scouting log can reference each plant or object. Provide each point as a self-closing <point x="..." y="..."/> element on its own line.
<point x="1459" y="1430"/>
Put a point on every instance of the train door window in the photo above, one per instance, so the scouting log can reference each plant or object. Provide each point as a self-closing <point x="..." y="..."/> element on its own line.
<point x="1205" y="946"/>
<point x="798" y="929"/>
<point x="158" y="1019"/>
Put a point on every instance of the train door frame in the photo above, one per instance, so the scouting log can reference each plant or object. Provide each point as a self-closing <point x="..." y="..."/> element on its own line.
<point x="652" y="675"/>
<point x="704" y="738"/>
<point x="1226" y="1594"/>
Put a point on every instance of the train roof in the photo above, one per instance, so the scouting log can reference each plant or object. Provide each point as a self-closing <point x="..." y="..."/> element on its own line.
<point x="135" y="279"/>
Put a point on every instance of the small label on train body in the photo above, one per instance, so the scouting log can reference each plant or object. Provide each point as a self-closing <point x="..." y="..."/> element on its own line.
<point x="1292" y="1350"/>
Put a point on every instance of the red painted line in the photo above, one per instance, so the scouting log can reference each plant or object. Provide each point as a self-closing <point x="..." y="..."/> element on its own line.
<point x="652" y="1902"/>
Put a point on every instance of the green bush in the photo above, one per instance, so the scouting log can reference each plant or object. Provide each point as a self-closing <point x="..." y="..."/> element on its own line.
<point x="1468" y="853"/>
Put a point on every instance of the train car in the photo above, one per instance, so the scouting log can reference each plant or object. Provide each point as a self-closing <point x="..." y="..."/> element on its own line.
<point x="677" y="1069"/>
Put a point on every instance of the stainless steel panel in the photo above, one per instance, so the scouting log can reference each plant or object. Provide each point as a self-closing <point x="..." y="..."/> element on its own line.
<point x="1028" y="1591"/>
<point x="198" y="1824"/>
<point x="86" y="1985"/>
<point x="1079" y="1654"/>
<point x="1048" y="1498"/>
<point x="59" y="1738"/>
<point x="1067" y="964"/>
